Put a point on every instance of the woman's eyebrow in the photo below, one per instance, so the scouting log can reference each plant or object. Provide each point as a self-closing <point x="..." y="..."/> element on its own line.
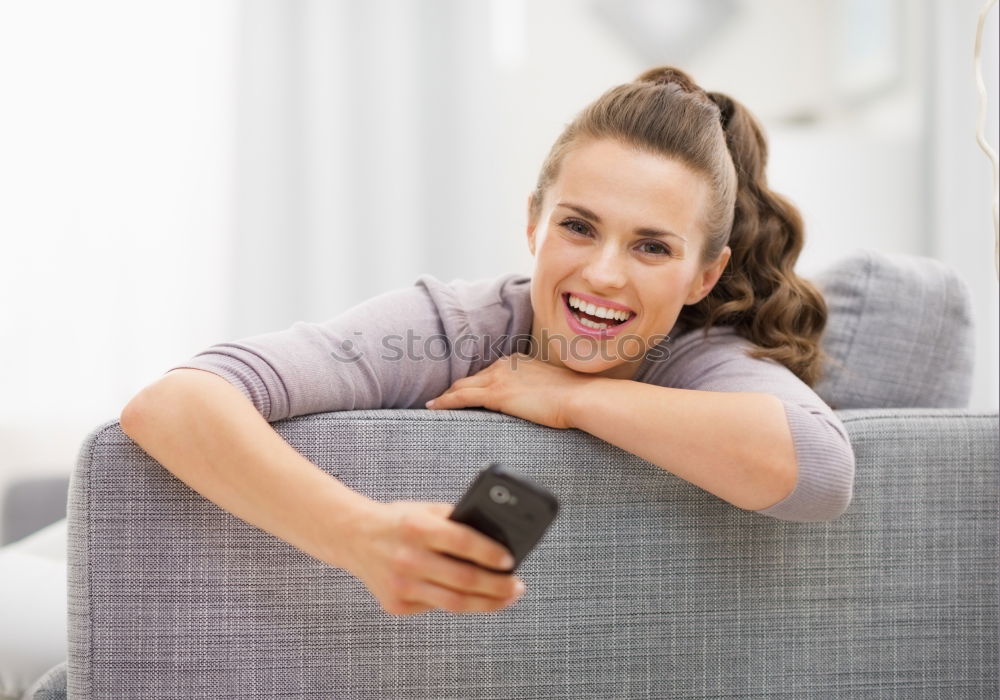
<point x="644" y="231"/>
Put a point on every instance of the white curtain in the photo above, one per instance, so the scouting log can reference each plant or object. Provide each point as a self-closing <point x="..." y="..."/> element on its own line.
<point x="366" y="154"/>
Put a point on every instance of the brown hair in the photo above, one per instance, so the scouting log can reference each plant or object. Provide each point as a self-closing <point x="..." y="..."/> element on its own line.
<point x="664" y="112"/>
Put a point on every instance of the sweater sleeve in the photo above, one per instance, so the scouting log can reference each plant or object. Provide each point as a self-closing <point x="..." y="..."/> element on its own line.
<point x="386" y="352"/>
<point x="825" y="457"/>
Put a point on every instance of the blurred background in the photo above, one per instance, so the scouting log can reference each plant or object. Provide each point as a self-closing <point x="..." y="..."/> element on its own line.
<point x="178" y="174"/>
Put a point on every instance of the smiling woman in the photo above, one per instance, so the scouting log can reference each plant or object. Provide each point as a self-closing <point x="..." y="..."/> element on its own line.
<point x="638" y="205"/>
<point x="661" y="158"/>
<point x="662" y="316"/>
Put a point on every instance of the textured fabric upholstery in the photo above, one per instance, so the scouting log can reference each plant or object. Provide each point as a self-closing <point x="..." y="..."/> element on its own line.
<point x="900" y="333"/>
<point x="645" y="586"/>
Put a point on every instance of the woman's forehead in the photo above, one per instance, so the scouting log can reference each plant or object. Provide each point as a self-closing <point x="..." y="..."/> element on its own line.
<point x="606" y="176"/>
<point x="600" y="163"/>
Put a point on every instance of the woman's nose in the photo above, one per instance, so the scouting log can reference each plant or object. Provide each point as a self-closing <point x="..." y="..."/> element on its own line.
<point x="605" y="270"/>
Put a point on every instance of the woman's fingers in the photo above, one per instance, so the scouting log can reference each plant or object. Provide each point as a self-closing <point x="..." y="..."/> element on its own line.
<point x="468" y="578"/>
<point x="457" y="539"/>
<point x="424" y="561"/>
<point x="407" y="608"/>
<point x="442" y="509"/>
<point x="464" y="542"/>
<point x="458" y="391"/>
<point x="424" y="592"/>
<point x="481" y="379"/>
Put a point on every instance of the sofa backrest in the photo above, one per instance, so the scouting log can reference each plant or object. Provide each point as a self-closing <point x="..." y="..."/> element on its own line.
<point x="644" y="586"/>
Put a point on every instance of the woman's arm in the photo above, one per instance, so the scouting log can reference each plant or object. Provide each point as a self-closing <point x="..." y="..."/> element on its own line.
<point x="209" y="435"/>
<point x="744" y="429"/>
<point x="737" y="446"/>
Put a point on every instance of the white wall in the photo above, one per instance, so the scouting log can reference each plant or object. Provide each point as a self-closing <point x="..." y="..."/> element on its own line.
<point x="115" y="130"/>
<point x="959" y="175"/>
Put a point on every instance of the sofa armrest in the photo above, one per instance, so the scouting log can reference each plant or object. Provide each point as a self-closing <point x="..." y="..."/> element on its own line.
<point x="644" y="585"/>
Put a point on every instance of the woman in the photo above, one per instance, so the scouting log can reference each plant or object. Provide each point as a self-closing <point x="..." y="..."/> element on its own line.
<point x="663" y="316"/>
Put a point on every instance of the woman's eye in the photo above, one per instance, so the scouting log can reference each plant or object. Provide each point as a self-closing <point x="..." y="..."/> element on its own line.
<point x="570" y="223"/>
<point x="657" y="248"/>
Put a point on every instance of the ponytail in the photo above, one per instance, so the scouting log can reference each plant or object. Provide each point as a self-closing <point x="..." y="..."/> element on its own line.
<point x="759" y="293"/>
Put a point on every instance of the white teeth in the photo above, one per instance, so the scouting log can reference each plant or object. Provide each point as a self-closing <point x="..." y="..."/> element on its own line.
<point x="599" y="311"/>
<point x="590" y="324"/>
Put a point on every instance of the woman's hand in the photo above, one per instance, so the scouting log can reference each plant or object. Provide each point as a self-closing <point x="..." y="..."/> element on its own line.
<point x="399" y="551"/>
<point x="518" y="385"/>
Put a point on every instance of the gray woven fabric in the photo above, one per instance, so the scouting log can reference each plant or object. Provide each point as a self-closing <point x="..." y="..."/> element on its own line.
<point x="644" y="587"/>
<point x="900" y="332"/>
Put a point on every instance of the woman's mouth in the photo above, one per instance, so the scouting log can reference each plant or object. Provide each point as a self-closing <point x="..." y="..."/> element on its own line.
<point x="594" y="321"/>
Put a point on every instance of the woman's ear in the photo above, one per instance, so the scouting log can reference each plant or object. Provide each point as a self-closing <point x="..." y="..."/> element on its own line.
<point x="704" y="282"/>
<point x="531" y="223"/>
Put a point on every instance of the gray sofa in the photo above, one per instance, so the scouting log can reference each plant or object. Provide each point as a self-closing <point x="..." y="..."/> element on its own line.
<point x="644" y="587"/>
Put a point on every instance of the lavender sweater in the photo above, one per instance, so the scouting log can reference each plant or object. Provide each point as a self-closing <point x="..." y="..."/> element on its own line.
<point x="408" y="345"/>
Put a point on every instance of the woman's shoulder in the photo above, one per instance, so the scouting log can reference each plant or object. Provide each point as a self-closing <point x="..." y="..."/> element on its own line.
<point x="488" y="317"/>
<point x="486" y="301"/>
<point x="482" y="293"/>
<point x="688" y="357"/>
<point x="687" y="340"/>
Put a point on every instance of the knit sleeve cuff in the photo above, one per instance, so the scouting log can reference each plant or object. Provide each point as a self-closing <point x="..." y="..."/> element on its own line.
<point x="825" y="482"/>
<point x="227" y="363"/>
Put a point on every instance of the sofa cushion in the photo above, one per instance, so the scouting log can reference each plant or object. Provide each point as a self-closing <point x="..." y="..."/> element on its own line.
<point x="899" y="334"/>
<point x="51" y="686"/>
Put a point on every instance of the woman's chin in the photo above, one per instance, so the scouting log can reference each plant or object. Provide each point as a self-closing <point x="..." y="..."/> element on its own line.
<point x="588" y="367"/>
<point x="583" y="365"/>
<point x="586" y="358"/>
<point x="599" y="368"/>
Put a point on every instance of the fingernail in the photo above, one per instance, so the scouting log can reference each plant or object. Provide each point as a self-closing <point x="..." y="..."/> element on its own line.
<point x="507" y="561"/>
<point x="519" y="587"/>
<point x="429" y="404"/>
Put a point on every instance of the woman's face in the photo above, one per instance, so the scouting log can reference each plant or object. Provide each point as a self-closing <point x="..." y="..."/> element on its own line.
<point x="596" y="238"/>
